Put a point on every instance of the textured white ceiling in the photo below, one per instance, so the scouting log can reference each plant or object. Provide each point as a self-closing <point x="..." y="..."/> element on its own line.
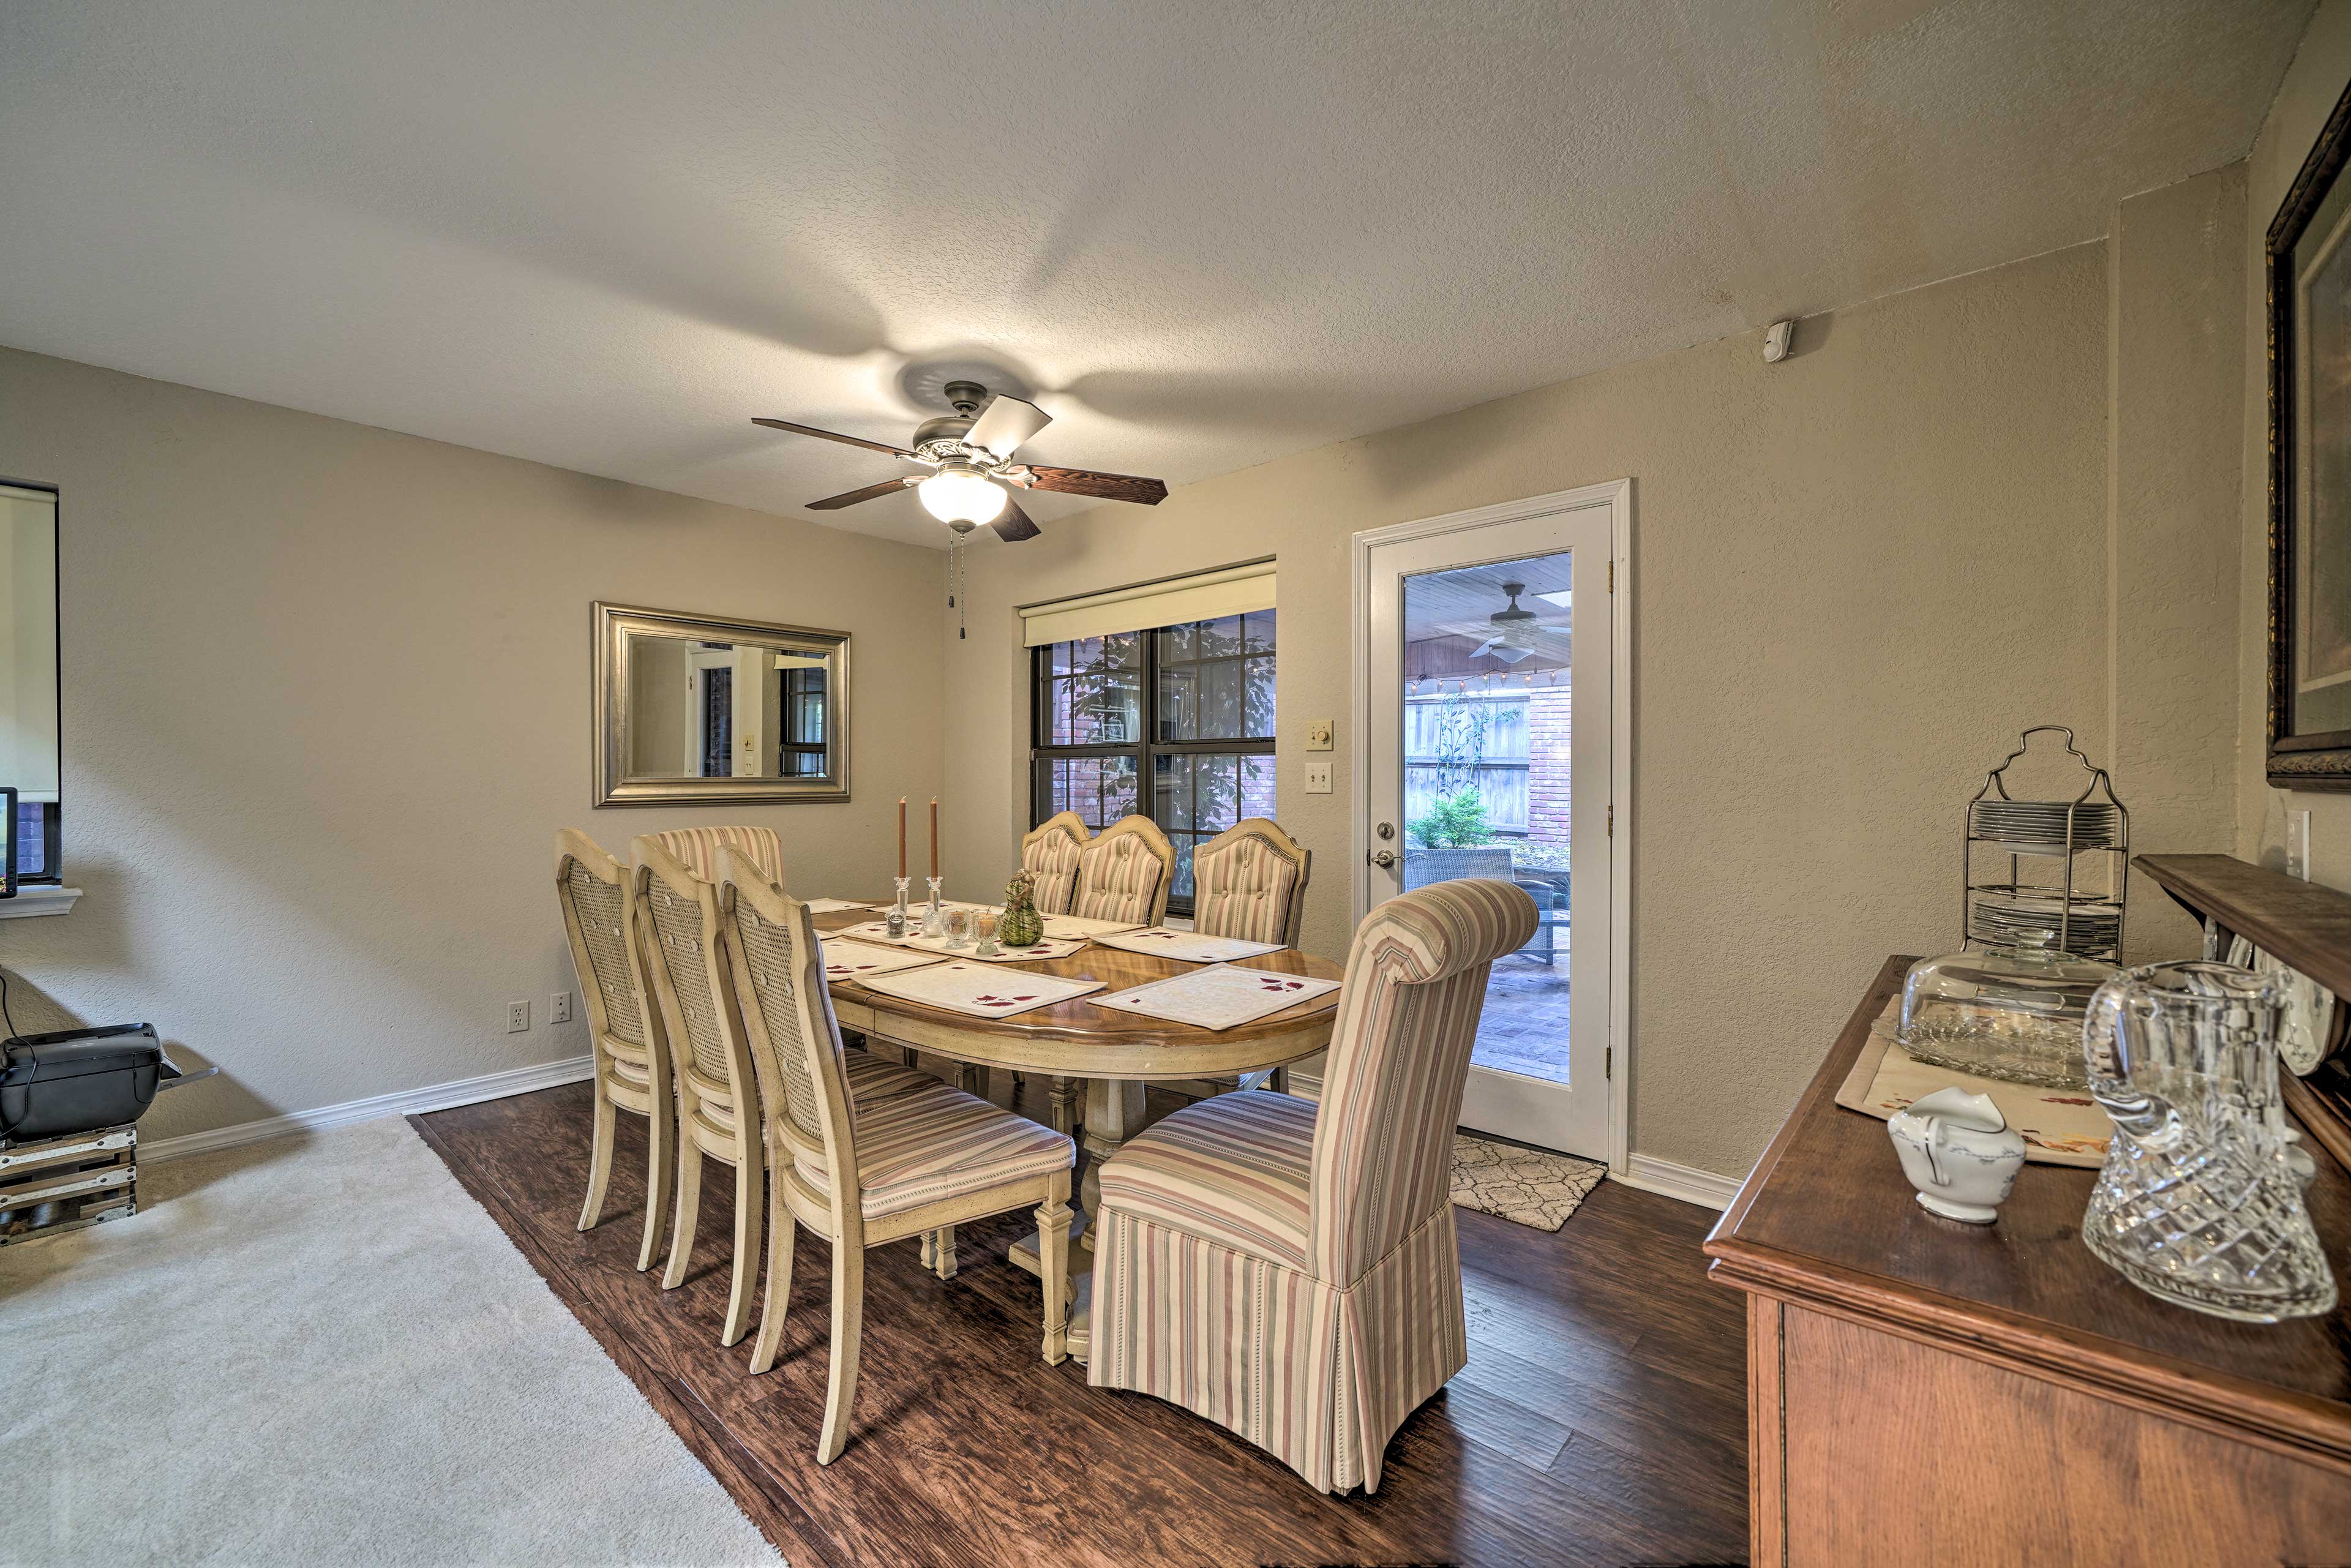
<point x="603" y="235"/>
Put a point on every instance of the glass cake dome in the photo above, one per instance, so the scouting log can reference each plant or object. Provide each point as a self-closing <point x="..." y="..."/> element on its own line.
<point x="2010" y="1010"/>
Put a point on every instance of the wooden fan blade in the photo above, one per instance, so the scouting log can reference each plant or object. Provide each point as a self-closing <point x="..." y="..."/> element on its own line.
<point x="1014" y="524"/>
<point x="871" y="493"/>
<point x="834" y="435"/>
<point x="1101" y="487"/>
<point x="1005" y="424"/>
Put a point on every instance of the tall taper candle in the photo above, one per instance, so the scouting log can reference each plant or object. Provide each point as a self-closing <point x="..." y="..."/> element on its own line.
<point x="935" y="835"/>
<point x="901" y="837"/>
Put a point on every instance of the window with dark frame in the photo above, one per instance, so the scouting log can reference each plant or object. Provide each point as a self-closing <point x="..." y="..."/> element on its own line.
<point x="1185" y="711"/>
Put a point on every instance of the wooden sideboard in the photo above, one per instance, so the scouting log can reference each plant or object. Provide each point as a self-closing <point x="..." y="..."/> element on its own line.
<point x="1925" y="1391"/>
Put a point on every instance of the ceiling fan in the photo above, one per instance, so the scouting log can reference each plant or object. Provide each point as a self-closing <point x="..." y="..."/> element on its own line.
<point x="1511" y="633"/>
<point x="973" y="476"/>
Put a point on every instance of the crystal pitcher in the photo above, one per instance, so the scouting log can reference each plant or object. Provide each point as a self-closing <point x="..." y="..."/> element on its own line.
<point x="2197" y="1203"/>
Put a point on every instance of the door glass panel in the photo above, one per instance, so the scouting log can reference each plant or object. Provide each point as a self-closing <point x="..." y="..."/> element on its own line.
<point x="1488" y="709"/>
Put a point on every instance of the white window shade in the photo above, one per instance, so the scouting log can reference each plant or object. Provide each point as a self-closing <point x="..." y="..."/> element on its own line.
<point x="1203" y="596"/>
<point x="28" y="642"/>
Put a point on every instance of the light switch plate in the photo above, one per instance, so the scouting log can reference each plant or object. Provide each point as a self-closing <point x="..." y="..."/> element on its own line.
<point x="1317" y="779"/>
<point x="2297" y="844"/>
<point x="1319" y="732"/>
<point x="558" y="1008"/>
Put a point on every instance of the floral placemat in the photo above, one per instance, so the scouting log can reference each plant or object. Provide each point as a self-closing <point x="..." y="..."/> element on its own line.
<point x="2061" y="1126"/>
<point x="963" y="987"/>
<point x="855" y="961"/>
<point x="1219" y="998"/>
<point x="1189" y="947"/>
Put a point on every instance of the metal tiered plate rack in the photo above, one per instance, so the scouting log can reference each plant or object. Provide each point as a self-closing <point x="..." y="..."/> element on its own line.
<point x="2088" y="924"/>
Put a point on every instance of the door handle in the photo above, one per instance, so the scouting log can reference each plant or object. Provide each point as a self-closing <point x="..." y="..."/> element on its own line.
<point x="1383" y="858"/>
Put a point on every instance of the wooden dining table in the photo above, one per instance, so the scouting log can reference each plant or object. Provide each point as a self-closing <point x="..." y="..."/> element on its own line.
<point x="1115" y="1052"/>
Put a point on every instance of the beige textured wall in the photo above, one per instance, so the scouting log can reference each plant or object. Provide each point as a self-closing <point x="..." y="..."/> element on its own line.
<point x="327" y="700"/>
<point x="2304" y="100"/>
<point x="2175" y="342"/>
<point x="1859" y="572"/>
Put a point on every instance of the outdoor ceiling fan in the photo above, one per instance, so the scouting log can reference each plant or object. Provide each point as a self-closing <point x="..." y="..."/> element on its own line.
<point x="973" y="476"/>
<point x="1511" y="633"/>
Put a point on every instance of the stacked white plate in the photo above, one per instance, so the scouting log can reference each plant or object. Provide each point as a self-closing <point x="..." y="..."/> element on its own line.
<point x="2038" y="827"/>
<point x="2092" y="925"/>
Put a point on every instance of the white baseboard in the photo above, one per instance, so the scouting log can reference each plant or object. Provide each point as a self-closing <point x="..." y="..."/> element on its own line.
<point x="1688" y="1183"/>
<point x="407" y="1103"/>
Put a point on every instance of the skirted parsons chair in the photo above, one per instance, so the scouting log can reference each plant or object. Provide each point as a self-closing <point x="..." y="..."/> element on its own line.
<point x="1250" y="882"/>
<point x="1049" y="856"/>
<point x="1290" y="1271"/>
<point x="717" y="1094"/>
<point x="632" y="1064"/>
<point x="866" y="1153"/>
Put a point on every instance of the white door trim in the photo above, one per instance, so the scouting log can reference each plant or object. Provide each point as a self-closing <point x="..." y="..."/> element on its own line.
<point x="1616" y="495"/>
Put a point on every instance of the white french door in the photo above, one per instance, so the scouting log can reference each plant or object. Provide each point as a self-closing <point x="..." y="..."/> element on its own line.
<point x="1489" y="735"/>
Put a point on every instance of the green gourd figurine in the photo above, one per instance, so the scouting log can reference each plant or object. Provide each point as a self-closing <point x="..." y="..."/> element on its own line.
<point x="1022" y="926"/>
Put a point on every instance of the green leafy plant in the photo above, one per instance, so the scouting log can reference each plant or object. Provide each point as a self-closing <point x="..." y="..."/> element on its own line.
<point x="1456" y="821"/>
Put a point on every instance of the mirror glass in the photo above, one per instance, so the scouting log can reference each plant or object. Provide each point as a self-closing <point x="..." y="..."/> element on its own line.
<point x="707" y="710"/>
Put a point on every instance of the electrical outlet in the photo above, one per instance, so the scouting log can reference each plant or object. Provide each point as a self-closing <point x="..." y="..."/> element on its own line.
<point x="1317" y="779"/>
<point x="2297" y="844"/>
<point x="558" y="1008"/>
<point x="1319" y="732"/>
<point x="518" y="1016"/>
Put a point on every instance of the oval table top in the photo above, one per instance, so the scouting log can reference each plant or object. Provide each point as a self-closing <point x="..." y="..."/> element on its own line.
<point x="1079" y="1040"/>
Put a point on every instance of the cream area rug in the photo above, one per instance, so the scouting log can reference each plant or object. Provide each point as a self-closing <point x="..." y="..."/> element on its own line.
<point x="322" y="1351"/>
<point x="1525" y="1186"/>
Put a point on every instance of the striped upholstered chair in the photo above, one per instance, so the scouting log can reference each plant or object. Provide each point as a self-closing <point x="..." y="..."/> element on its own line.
<point x="861" y="1157"/>
<point x="1124" y="871"/>
<point x="1291" y="1271"/>
<point x="1249" y="881"/>
<point x="697" y="849"/>
<point x="717" y="1094"/>
<point x="1049" y="856"/>
<point x="630" y="1048"/>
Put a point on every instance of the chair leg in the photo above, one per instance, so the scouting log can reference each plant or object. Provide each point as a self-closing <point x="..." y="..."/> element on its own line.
<point x="1053" y="1258"/>
<point x="600" y="1155"/>
<point x="848" y="1331"/>
<point x="750" y="1187"/>
<point x="1064" y="1099"/>
<point x="661" y="1177"/>
<point x="781" y="1233"/>
<point x="689" y="1210"/>
<point x="943" y="1255"/>
<point x="930" y="1251"/>
<point x="1279" y="1082"/>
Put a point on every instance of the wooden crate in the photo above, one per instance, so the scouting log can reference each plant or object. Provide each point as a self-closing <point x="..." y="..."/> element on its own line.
<point x="57" y="1185"/>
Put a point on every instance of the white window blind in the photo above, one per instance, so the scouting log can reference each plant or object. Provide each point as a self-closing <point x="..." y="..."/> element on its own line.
<point x="28" y="642"/>
<point x="1202" y="596"/>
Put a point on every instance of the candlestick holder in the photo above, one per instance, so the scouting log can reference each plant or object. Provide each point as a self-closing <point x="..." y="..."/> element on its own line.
<point x="983" y="931"/>
<point x="895" y="924"/>
<point x="935" y="919"/>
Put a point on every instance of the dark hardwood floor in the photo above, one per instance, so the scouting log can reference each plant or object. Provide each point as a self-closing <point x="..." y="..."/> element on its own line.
<point x="1601" y="1419"/>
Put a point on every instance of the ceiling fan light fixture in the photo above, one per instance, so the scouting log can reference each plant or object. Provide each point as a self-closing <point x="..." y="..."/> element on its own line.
<point x="959" y="493"/>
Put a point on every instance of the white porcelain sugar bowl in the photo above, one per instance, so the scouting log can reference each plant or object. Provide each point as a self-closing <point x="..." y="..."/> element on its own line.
<point x="1959" y="1151"/>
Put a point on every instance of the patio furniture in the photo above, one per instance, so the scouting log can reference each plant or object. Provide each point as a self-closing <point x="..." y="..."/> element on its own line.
<point x="1422" y="868"/>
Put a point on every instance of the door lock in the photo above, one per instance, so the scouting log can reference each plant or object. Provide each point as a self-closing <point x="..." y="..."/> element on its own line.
<point x="1385" y="829"/>
<point x="1383" y="858"/>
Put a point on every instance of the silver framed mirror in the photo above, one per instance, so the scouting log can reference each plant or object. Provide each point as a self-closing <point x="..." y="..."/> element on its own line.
<point x="697" y="710"/>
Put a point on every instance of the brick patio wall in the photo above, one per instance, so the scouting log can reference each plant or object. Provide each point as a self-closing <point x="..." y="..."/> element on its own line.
<point x="1549" y="723"/>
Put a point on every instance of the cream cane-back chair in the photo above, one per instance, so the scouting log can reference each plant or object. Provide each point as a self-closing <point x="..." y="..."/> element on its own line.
<point x="865" y="1168"/>
<point x="698" y="849"/>
<point x="630" y="1048"/>
<point x="1290" y="1269"/>
<point x="718" y="1095"/>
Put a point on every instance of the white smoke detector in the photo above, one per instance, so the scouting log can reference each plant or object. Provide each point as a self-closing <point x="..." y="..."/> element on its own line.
<point x="1776" y="338"/>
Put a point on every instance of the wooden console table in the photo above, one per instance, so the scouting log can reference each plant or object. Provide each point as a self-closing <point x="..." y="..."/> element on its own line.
<point x="1921" y="1391"/>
